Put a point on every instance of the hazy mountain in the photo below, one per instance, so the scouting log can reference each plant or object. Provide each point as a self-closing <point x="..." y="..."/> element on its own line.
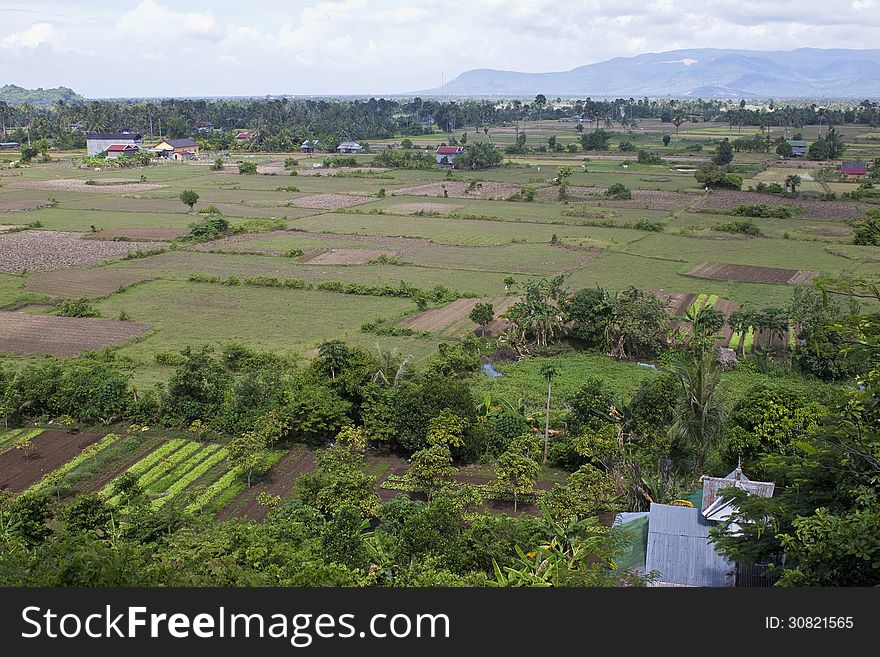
<point x="15" y="95"/>
<point x="699" y="72"/>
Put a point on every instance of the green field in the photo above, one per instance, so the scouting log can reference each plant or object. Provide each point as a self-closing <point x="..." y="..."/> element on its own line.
<point x="468" y="244"/>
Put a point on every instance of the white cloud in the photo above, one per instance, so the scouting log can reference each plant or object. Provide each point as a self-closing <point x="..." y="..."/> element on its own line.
<point x="35" y="35"/>
<point x="151" y="21"/>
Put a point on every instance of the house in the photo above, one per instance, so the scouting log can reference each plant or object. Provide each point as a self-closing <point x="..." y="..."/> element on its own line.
<point x="8" y="144"/>
<point x="244" y="135"/>
<point x="119" y="150"/>
<point x="445" y="155"/>
<point x="857" y="169"/>
<point x="184" y="148"/>
<point x="310" y="146"/>
<point x="798" y="147"/>
<point x="203" y="127"/>
<point x="677" y="546"/>
<point x="349" y="147"/>
<point x="98" y="142"/>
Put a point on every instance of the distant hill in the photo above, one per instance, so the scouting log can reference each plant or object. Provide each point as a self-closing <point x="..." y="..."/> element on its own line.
<point x="700" y="72"/>
<point x="14" y="95"/>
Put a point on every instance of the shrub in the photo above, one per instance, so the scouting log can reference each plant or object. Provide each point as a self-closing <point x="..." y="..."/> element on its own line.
<point x="618" y="191"/>
<point x="247" y="168"/>
<point x="649" y="158"/>
<point x="81" y="307"/>
<point x="716" y="178"/>
<point x="867" y="232"/>
<point x="743" y="227"/>
<point x="208" y="228"/>
<point x="766" y="211"/>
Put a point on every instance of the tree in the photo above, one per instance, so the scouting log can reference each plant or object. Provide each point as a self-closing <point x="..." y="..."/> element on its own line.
<point x="792" y="182"/>
<point x="246" y="452"/>
<point x="784" y="149"/>
<point x="713" y="177"/>
<point x="477" y="156"/>
<point x="666" y="139"/>
<point x="724" y="153"/>
<point x="431" y="468"/>
<point x="677" y="120"/>
<point x="589" y="310"/>
<point x="482" y="314"/>
<point x="699" y="418"/>
<point x="334" y="355"/>
<point x="548" y="371"/>
<point x="515" y="474"/>
<point x="818" y="150"/>
<point x="247" y="168"/>
<point x="595" y="141"/>
<point x="189" y="197"/>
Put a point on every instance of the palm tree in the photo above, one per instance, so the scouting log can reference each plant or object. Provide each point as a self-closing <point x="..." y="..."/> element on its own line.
<point x="548" y="371"/>
<point x="677" y="120"/>
<point x="699" y="419"/>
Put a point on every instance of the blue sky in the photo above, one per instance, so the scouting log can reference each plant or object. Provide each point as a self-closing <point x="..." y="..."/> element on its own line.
<point x="226" y="47"/>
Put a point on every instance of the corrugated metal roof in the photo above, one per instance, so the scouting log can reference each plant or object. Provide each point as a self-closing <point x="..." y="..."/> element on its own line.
<point x="711" y="486"/>
<point x="680" y="551"/>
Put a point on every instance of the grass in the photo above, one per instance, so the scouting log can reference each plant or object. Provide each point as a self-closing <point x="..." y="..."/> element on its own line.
<point x="9" y="438"/>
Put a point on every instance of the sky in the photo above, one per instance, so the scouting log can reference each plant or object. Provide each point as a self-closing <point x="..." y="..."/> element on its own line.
<point x="150" y="48"/>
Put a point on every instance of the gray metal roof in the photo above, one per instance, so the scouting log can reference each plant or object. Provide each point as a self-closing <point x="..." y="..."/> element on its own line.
<point x="680" y="551"/>
<point x="711" y="486"/>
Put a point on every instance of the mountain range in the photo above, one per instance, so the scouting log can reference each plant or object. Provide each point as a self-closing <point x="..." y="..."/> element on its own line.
<point x="698" y="72"/>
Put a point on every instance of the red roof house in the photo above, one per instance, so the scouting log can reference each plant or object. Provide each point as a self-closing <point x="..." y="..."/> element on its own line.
<point x="854" y="169"/>
<point x="115" y="150"/>
<point x="445" y="155"/>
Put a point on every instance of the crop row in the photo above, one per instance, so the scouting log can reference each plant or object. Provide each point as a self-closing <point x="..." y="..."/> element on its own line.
<point x="57" y="476"/>
<point x="183" y="482"/>
<point x="222" y="491"/>
<point x="174" y="468"/>
<point x="13" y="436"/>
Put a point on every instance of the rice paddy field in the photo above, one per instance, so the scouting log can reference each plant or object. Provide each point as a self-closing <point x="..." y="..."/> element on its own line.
<point x="467" y="231"/>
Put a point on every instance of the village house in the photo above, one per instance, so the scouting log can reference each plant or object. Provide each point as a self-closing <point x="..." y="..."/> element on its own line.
<point x="854" y="169"/>
<point x="310" y="146"/>
<point x="177" y="149"/>
<point x="244" y="135"/>
<point x="798" y="147"/>
<point x="98" y="142"/>
<point x="119" y="150"/>
<point x="445" y="155"/>
<point x="349" y="147"/>
<point x="677" y="544"/>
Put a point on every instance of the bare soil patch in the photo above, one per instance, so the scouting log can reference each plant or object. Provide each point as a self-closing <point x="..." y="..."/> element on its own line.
<point x="329" y="201"/>
<point x="45" y="250"/>
<point x="21" y="333"/>
<point x="723" y="200"/>
<point x="721" y="271"/>
<point x="455" y="189"/>
<point x="73" y="283"/>
<point x="118" y="185"/>
<point x="279" y="481"/>
<point x="139" y="234"/>
<point x="53" y="449"/>
<point x="23" y="206"/>
<point x="453" y="320"/>
<point x="411" y="208"/>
